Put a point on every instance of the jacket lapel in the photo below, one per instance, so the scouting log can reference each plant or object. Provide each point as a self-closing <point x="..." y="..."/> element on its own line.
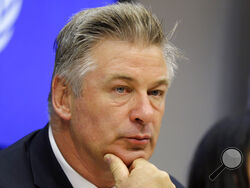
<point x="47" y="172"/>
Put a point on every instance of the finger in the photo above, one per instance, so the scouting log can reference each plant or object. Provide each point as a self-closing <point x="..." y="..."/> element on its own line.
<point x="141" y="162"/>
<point x="118" y="169"/>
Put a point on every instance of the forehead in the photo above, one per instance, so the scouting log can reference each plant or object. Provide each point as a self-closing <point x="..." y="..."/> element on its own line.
<point x="120" y="57"/>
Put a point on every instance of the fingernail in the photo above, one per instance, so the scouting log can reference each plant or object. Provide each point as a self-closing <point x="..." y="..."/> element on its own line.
<point x="107" y="158"/>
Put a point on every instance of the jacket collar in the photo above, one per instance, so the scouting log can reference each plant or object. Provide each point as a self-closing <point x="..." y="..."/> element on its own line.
<point x="47" y="172"/>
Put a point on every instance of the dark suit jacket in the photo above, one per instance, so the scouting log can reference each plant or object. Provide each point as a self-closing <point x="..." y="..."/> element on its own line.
<point x="31" y="163"/>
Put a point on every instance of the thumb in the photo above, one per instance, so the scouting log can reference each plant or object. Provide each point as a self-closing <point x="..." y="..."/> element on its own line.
<point x="118" y="169"/>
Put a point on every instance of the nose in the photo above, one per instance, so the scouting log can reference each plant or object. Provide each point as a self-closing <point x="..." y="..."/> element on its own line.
<point x="142" y="111"/>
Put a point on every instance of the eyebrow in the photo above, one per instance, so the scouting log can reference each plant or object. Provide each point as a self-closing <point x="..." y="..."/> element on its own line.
<point x="128" y="78"/>
<point x="120" y="77"/>
<point x="162" y="82"/>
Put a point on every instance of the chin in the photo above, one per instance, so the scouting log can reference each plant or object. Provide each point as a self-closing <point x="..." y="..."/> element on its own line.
<point x="129" y="156"/>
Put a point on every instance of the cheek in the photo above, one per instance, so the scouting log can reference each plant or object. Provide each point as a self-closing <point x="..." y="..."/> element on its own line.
<point x="99" y="124"/>
<point x="162" y="108"/>
<point x="157" y="126"/>
<point x="156" y="133"/>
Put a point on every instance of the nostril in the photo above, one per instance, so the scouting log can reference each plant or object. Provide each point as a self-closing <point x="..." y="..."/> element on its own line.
<point x="138" y="120"/>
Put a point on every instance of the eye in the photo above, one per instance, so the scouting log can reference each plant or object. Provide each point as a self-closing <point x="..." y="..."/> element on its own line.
<point x="122" y="89"/>
<point x="156" y="93"/>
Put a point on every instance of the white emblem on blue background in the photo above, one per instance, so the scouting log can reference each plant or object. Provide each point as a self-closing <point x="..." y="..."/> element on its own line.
<point x="9" y="11"/>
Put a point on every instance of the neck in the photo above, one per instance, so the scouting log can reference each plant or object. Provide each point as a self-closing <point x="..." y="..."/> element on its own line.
<point x="97" y="173"/>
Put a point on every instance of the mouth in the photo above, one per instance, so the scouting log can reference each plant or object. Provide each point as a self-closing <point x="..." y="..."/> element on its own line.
<point x="138" y="140"/>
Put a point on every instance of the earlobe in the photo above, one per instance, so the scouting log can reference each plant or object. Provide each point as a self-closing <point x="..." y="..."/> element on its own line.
<point x="61" y="98"/>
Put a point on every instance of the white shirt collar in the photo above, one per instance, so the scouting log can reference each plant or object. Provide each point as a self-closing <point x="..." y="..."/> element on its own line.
<point x="75" y="179"/>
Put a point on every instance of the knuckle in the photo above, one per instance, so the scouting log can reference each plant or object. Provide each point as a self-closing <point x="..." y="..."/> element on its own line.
<point x="139" y="161"/>
<point x="164" y="174"/>
<point x="142" y="163"/>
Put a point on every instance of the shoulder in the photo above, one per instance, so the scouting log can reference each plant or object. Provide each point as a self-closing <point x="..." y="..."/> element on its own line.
<point x="17" y="149"/>
<point x="15" y="167"/>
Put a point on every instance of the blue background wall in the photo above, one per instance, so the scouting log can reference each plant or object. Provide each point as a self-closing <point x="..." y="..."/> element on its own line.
<point x="27" y="60"/>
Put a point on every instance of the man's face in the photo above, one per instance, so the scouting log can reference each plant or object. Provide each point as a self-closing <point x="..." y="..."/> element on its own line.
<point x="122" y="103"/>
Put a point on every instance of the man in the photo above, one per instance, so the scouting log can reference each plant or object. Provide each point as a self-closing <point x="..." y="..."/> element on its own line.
<point x="112" y="70"/>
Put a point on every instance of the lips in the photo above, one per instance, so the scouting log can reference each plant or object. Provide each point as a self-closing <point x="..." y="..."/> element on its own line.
<point x="139" y="140"/>
<point x="140" y="137"/>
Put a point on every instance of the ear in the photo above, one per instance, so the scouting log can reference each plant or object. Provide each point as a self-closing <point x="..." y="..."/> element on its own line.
<point x="61" y="98"/>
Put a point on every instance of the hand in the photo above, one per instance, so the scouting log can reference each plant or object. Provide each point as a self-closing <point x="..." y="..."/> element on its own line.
<point x="141" y="174"/>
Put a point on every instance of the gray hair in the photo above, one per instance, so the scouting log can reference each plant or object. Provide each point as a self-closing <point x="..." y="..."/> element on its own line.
<point x="123" y="21"/>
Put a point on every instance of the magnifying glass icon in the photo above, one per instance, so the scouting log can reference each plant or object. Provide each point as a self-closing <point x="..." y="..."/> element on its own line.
<point x="231" y="159"/>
